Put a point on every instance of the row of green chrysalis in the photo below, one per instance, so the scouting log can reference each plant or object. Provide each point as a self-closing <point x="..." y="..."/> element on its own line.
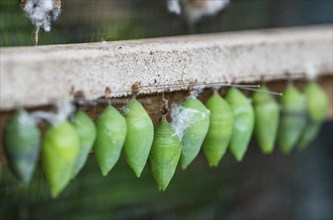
<point x="215" y="126"/>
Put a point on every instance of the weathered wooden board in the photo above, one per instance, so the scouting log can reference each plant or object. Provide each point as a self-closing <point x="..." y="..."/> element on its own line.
<point x="38" y="76"/>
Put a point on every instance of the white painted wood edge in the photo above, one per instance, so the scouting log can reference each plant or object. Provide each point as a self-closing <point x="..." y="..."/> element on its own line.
<point x="34" y="76"/>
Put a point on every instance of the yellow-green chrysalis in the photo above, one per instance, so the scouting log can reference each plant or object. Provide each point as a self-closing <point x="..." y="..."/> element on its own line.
<point x="139" y="138"/>
<point x="195" y="133"/>
<point x="111" y="132"/>
<point x="164" y="154"/>
<point x="86" y="131"/>
<point x="60" y="147"/>
<point x="293" y="118"/>
<point x="317" y="106"/>
<point x="220" y="129"/>
<point x="267" y="117"/>
<point x="243" y="122"/>
<point x="21" y="144"/>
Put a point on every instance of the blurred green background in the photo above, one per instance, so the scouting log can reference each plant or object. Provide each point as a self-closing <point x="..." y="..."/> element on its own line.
<point x="298" y="186"/>
<point x="90" y="21"/>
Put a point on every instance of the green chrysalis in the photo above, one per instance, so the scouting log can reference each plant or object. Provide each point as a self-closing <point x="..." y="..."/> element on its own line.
<point x="21" y="144"/>
<point x="86" y="131"/>
<point x="220" y="129"/>
<point x="293" y="118"/>
<point x="195" y="133"/>
<point x="267" y="117"/>
<point x="317" y="106"/>
<point x="111" y="132"/>
<point x="139" y="138"/>
<point x="60" y="147"/>
<point x="164" y="154"/>
<point x="243" y="122"/>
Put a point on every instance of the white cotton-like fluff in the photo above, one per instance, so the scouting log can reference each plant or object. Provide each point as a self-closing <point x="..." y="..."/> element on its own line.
<point x="43" y="115"/>
<point x="65" y="109"/>
<point x="197" y="90"/>
<point x="174" y="6"/>
<point x="195" y="9"/>
<point x="213" y="7"/>
<point x="181" y="118"/>
<point x="56" y="13"/>
<point x="311" y="71"/>
<point x="41" y="12"/>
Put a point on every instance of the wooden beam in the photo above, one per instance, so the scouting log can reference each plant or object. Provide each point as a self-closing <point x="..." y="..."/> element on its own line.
<point x="42" y="75"/>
